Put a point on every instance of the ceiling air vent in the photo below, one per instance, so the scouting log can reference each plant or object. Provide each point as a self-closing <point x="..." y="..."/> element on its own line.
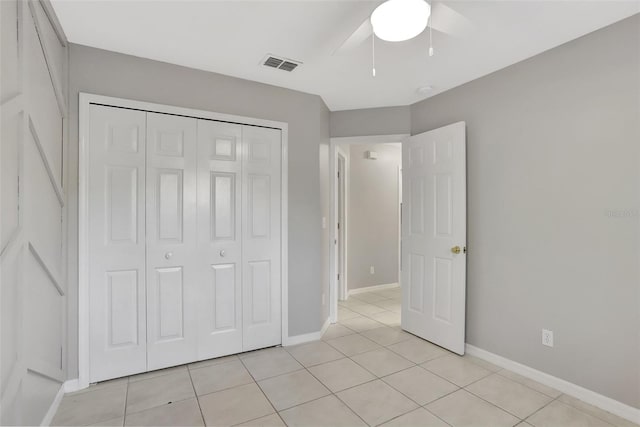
<point x="272" y="61"/>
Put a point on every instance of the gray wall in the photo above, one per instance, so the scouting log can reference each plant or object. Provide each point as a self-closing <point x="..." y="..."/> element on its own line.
<point x="373" y="215"/>
<point x="113" y="74"/>
<point x="371" y="121"/>
<point x="33" y="283"/>
<point x="553" y="152"/>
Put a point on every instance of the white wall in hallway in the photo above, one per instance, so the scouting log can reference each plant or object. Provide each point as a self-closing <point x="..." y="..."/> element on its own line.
<point x="372" y="205"/>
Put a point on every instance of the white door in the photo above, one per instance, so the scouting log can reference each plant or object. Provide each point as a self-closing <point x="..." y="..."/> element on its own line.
<point x="434" y="236"/>
<point x="171" y="264"/>
<point x="117" y="243"/>
<point x="261" y="217"/>
<point x="219" y="238"/>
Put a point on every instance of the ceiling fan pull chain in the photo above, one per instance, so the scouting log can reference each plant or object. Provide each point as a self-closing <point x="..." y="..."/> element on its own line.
<point x="373" y="54"/>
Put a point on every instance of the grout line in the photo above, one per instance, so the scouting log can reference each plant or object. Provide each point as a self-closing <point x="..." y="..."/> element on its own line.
<point x="196" y="394"/>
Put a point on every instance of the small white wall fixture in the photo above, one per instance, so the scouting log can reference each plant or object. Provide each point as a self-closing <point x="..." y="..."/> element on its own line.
<point x="83" y="233"/>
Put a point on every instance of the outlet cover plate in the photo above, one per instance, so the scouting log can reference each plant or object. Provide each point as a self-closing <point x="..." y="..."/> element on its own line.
<point x="547" y="338"/>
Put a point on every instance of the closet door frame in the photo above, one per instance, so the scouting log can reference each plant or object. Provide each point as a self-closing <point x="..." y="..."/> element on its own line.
<point x="85" y="102"/>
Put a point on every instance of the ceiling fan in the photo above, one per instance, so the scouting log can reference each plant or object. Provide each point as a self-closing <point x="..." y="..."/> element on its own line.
<point x="400" y="20"/>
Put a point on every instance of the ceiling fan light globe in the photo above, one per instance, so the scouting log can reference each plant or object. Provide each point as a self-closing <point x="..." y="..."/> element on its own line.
<point x="400" y="20"/>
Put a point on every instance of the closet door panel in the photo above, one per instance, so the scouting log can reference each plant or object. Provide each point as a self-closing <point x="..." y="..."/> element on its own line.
<point x="261" y="206"/>
<point x="219" y="238"/>
<point x="172" y="270"/>
<point x="117" y="243"/>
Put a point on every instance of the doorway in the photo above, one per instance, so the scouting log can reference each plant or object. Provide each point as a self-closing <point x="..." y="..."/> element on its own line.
<point x="424" y="245"/>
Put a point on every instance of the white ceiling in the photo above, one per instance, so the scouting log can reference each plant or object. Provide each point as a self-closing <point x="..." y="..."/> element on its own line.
<point x="232" y="37"/>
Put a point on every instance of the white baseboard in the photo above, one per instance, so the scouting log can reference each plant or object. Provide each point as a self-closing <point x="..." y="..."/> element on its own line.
<point x="48" y="418"/>
<point x="373" y="288"/>
<point x="603" y="402"/>
<point x="72" y="385"/>
<point x="312" y="336"/>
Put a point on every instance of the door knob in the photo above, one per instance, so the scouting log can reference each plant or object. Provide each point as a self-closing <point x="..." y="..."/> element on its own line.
<point x="222" y="253"/>
<point x="456" y="249"/>
<point x="168" y="255"/>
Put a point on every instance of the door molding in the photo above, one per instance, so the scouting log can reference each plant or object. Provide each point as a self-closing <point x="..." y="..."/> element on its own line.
<point x="334" y="143"/>
<point x="85" y="101"/>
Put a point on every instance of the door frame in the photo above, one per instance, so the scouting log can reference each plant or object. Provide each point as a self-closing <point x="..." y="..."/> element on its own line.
<point x="341" y="217"/>
<point x="85" y="101"/>
<point x="334" y="143"/>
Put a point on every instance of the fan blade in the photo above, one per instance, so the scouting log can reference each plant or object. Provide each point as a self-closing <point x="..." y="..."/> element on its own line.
<point x="356" y="38"/>
<point x="446" y="20"/>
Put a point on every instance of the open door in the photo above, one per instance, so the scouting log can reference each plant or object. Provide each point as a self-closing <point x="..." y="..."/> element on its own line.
<point x="434" y="232"/>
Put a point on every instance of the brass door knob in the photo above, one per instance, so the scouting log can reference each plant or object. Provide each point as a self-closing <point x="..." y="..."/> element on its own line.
<point x="456" y="249"/>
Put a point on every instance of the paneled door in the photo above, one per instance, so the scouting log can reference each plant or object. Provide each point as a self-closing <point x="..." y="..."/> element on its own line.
<point x="434" y="236"/>
<point x="261" y="206"/>
<point x="118" y="339"/>
<point x="219" y="238"/>
<point x="171" y="263"/>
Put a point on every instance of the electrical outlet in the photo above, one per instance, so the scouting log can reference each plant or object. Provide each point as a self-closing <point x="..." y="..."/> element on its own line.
<point x="547" y="338"/>
<point x="372" y="270"/>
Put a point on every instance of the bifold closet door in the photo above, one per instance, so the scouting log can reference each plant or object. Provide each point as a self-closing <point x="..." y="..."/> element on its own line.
<point x="118" y="341"/>
<point x="219" y="238"/>
<point x="261" y="217"/>
<point x="171" y="262"/>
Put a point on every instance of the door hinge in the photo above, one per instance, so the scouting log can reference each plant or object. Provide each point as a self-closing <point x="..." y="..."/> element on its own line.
<point x="338" y="174"/>
<point x="338" y="226"/>
<point x="338" y="276"/>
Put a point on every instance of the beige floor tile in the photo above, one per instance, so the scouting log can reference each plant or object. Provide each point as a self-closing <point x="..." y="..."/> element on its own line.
<point x="420" y="385"/>
<point x="292" y="389"/>
<point x="353" y="344"/>
<point x="157" y="373"/>
<point x="314" y="353"/>
<point x="336" y="330"/>
<point x="511" y="396"/>
<point x="92" y="407"/>
<point x="344" y="313"/>
<point x="596" y="412"/>
<point x="360" y="324"/>
<point x="376" y="402"/>
<point x="368" y="297"/>
<point x="184" y="413"/>
<point x="272" y="420"/>
<point x="212" y="362"/>
<point x="234" y="406"/>
<point x="366" y="309"/>
<point x="219" y="377"/>
<point x="341" y="374"/>
<point x="524" y="424"/>
<point x="113" y="422"/>
<point x="551" y="392"/>
<point x="417" y="350"/>
<point x="350" y="303"/>
<point x="327" y="411"/>
<point x="270" y="364"/>
<point x="101" y="385"/>
<point x="382" y="362"/>
<point x="394" y="293"/>
<point x="260" y="352"/>
<point x="158" y="391"/>
<point x="462" y="409"/>
<point x="386" y="335"/>
<point x="388" y="318"/>
<point x="482" y="363"/>
<point x="558" y="414"/>
<point x="456" y="369"/>
<point x="390" y="305"/>
<point x="420" y="417"/>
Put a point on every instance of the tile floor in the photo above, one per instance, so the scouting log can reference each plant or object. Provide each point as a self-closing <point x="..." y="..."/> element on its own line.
<point x="365" y="371"/>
